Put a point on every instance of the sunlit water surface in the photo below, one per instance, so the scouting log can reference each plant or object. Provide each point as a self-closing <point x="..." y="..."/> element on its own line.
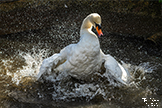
<point x="20" y="62"/>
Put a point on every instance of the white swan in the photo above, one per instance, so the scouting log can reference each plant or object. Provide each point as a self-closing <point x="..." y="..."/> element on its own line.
<point x="82" y="59"/>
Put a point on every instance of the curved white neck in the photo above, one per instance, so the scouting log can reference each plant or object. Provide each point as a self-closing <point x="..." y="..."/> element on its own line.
<point x="86" y="28"/>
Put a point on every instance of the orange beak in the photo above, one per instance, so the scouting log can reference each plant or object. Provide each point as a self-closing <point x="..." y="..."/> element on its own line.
<point x="99" y="31"/>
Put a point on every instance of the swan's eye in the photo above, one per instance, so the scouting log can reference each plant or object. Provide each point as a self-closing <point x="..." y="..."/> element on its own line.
<point x="98" y="25"/>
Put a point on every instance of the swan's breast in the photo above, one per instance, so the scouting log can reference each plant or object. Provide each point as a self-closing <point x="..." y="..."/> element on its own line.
<point x="84" y="62"/>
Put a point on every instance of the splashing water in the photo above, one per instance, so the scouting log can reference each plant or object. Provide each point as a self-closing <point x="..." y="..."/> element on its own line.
<point x="66" y="88"/>
<point x="32" y="61"/>
<point x="60" y="87"/>
<point x="139" y="72"/>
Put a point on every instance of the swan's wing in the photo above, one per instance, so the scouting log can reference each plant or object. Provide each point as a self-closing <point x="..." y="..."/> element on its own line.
<point x="115" y="69"/>
<point x="47" y="64"/>
<point x="52" y="62"/>
<point x="125" y="74"/>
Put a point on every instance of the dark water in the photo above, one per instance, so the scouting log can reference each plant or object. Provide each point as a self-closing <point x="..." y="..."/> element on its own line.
<point x="22" y="53"/>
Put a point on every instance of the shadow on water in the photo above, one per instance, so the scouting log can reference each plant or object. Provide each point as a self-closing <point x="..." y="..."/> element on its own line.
<point x="22" y="53"/>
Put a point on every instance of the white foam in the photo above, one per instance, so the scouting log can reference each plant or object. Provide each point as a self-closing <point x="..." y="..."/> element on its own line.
<point x="63" y="88"/>
<point x="139" y="72"/>
<point x="33" y="60"/>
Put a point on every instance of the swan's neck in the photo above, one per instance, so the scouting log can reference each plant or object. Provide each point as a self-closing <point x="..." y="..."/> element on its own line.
<point x="88" y="33"/>
<point x="86" y="24"/>
<point x="86" y="28"/>
<point x="88" y="37"/>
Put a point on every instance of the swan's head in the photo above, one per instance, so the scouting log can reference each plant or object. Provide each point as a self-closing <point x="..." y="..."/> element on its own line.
<point x="96" y="21"/>
<point x="93" y="20"/>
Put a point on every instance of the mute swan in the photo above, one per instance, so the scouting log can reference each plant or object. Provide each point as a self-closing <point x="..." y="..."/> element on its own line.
<point x="82" y="59"/>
